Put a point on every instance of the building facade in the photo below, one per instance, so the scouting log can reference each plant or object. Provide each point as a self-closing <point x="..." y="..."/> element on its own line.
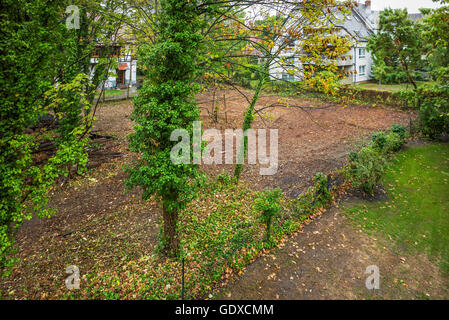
<point x="359" y="25"/>
<point x="125" y="75"/>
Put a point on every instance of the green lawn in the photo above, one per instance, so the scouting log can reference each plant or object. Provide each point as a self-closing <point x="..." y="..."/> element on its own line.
<point x="416" y="214"/>
<point x="388" y="87"/>
<point x="112" y="93"/>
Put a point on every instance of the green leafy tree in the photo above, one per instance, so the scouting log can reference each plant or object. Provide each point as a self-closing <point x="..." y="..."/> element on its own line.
<point x="436" y="36"/>
<point x="30" y="35"/>
<point x="166" y="103"/>
<point x="432" y="99"/>
<point x="45" y="69"/>
<point x="396" y="48"/>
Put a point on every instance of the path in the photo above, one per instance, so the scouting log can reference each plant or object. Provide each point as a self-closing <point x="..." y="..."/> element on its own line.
<point x="328" y="260"/>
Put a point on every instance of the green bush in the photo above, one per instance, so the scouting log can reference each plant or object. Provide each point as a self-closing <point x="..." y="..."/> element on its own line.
<point x="399" y="129"/>
<point x="388" y="142"/>
<point x="394" y="142"/>
<point x="315" y="197"/>
<point x="268" y="203"/>
<point x="367" y="168"/>
<point x="322" y="193"/>
<point x="432" y="99"/>
<point x="434" y="110"/>
<point x="379" y="139"/>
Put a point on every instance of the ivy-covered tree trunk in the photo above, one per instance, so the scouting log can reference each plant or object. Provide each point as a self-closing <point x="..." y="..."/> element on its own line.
<point x="166" y="103"/>
<point x="249" y="117"/>
<point x="170" y="239"/>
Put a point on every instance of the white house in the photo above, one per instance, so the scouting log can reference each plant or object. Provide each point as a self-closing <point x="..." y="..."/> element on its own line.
<point x="359" y="25"/>
<point x="125" y="74"/>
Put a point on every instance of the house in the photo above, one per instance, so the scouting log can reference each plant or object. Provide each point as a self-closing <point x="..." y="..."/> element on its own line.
<point x="126" y="72"/>
<point x="359" y="25"/>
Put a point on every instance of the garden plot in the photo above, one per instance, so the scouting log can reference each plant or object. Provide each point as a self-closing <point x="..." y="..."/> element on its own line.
<point x="111" y="235"/>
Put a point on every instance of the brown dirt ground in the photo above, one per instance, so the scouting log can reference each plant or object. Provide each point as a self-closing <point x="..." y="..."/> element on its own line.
<point x="328" y="260"/>
<point x="94" y="210"/>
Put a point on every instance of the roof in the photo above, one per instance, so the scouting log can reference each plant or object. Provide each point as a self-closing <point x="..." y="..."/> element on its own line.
<point x="123" y="66"/>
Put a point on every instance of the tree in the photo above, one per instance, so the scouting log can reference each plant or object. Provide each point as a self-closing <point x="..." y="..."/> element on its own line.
<point x="304" y="31"/>
<point x="436" y="37"/>
<point x="45" y="70"/>
<point x="188" y="39"/>
<point x="396" y="48"/>
<point x="166" y="103"/>
<point x="433" y="98"/>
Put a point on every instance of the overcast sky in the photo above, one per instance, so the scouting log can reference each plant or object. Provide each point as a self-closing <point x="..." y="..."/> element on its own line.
<point x="411" y="5"/>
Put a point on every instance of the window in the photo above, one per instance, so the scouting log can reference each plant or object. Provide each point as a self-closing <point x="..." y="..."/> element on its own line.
<point x="362" y="70"/>
<point x="97" y="52"/>
<point x="288" y="77"/>
<point x="116" y="51"/>
<point x="362" y="53"/>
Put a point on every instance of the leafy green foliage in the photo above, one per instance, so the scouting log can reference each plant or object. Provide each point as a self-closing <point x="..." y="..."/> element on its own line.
<point x="416" y="215"/>
<point x="316" y="197"/>
<point x="432" y="102"/>
<point x="399" y="129"/>
<point x="32" y="36"/>
<point x="396" y="47"/>
<point x="379" y="139"/>
<point x="268" y="203"/>
<point x="436" y="37"/>
<point x="368" y="165"/>
<point x="434" y="109"/>
<point x="367" y="169"/>
<point x="166" y="103"/>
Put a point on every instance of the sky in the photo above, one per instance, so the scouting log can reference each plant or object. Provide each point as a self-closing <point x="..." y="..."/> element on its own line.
<point x="411" y="5"/>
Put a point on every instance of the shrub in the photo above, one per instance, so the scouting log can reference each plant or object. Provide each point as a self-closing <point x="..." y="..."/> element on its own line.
<point x="399" y="129"/>
<point x="367" y="169"/>
<point x="393" y="143"/>
<point x="379" y="139"/>
<point x="387" y="142"/>
<point x="317" y="196"/>
<point x="268" y="203"/>
<point x="433" y="103"/>
<point x="434" y="110"/>
<point x="322" y="193"/>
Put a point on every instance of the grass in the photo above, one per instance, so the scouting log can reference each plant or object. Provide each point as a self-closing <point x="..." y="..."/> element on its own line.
<point x="388" y="87"/>
<point x="416" y="214"/>
<point x="112" y="93"/>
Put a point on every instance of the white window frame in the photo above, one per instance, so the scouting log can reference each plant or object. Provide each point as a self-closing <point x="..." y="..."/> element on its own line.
<point x="288" y="77"/>
<point x="362" y="56"/>
<point x="364" y="70"/>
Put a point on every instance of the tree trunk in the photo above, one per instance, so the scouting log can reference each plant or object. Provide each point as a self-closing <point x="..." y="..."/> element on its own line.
<point x="170" y="235"/>
<point x="248" y="122"/>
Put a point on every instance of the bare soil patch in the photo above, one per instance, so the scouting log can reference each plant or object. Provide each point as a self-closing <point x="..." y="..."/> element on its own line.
<point x="97" y="224"/>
